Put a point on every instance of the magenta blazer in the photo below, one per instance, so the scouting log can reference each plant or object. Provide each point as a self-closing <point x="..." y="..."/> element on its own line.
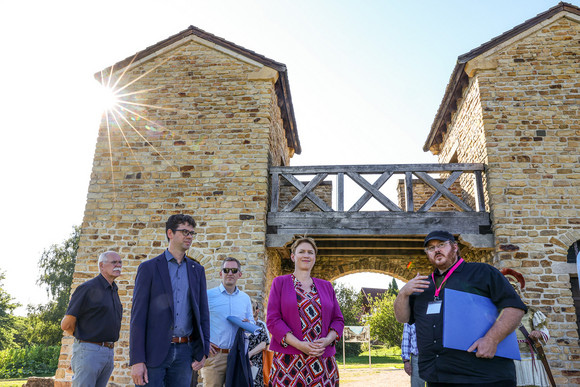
<point x="283" y="316"/>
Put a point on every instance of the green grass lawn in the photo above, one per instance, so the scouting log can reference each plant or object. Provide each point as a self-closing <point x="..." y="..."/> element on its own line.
<point x="381" y="357"/>
<point x="12" y="382"/>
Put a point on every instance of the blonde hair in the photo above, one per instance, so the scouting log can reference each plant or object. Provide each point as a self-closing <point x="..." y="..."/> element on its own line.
<point x="302" y="240"/>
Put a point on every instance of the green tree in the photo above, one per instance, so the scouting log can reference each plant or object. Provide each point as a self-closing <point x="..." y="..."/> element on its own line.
<point x="23" y="332"/>
<point x="393" y="289"/>
<point x="57" y="266"/>
<point x="384" y="325"/>
<point x="8" y="322"/>
<point x="350" y="303"/>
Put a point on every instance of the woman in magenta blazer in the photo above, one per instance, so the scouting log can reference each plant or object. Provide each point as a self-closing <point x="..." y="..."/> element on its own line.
<point x="305" y="321"/>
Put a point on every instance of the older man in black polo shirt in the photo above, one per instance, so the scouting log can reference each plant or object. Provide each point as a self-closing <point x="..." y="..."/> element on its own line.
<point x="94" y="318"/>
<point x="421" y="301"/>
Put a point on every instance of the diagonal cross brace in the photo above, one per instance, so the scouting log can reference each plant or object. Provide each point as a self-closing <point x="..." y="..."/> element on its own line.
<point x="442" y="189"/>
<point x="306" y="191"/>
<point x="372" y="190"/>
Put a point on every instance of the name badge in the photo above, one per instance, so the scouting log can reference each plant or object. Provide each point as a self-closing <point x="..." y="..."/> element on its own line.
<point x="434" y="307"/>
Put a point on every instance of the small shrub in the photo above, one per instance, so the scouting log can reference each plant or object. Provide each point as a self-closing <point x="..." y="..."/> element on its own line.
<point x="30" y="361"/>
<point x="350" y="349"/>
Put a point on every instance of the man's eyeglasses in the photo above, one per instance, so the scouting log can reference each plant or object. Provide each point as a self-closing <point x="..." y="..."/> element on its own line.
<point x="432" y="248"/>
<point x="227" y="270"/>
<point x="186" y="232"/>
<point x="115" y="263"/>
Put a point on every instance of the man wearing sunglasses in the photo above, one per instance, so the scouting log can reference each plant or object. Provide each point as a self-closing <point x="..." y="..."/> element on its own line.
<point x="224" y="301"/>
<point x="169" y="336"/>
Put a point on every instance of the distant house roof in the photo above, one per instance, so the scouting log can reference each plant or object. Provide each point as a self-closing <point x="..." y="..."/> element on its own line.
<point x="282" y="85"/>
<point x="459" y="79"/>
<point x="368" y="295"/>
<point x="372" y="292"/>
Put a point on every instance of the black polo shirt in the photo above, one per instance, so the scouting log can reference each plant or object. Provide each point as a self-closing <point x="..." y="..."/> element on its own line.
<point x="444" y="365"/>
<point x="98" y="310"/>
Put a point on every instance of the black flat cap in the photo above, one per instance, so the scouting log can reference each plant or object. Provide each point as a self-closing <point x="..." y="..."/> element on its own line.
<point x="439" y="235"/>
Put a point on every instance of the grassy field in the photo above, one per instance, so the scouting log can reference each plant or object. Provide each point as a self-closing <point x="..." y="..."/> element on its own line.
<point x="12" y="382"/>
<point x="381" y="357"/>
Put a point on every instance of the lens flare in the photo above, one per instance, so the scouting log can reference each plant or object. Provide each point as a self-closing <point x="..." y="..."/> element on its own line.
<point x="107" y="98"/>
<point x="123" y="112"/>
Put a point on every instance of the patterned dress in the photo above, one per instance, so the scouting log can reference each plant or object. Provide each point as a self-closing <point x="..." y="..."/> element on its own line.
<point x="257" y="360"/>
<point x="303" y="370"/>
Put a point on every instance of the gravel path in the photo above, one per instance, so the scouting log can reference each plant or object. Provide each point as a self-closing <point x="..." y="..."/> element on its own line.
<point x="365" y="377"/>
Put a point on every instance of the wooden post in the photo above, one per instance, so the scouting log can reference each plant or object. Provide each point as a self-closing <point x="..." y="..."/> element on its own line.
<point x="343" y="354"/>
<point x="340" y="191"/>
<point x="370" y="366"/>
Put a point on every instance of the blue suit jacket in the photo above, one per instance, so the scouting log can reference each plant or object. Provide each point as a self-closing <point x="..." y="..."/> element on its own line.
<point x="152" y="312"/>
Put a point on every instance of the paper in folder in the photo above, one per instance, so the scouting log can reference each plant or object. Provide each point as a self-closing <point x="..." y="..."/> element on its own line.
<point x="246" y="325"/>
<point x="467" y="317"/>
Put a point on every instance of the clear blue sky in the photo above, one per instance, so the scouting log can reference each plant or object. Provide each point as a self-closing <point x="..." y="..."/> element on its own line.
<point x="366" y="79"/>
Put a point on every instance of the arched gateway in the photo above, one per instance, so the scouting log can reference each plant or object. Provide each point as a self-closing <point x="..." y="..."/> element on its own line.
<point x="207" y="128"/>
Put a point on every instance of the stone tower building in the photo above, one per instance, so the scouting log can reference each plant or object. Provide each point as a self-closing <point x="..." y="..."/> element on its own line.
<point x="198" y="123"/>
<point x="201" y="120"/>
<point x="514" y="104"/>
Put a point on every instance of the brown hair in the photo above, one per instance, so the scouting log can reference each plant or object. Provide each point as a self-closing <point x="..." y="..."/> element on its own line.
<point x="232" y="259"/>
<point x="302" y="240"/>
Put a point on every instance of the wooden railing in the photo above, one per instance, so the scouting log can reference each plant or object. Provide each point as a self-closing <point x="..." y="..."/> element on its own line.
<point x="333" y="217"/>
<point x="356" y="173"/>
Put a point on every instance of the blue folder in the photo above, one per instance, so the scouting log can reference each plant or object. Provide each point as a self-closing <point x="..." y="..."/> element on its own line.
<point x="467" y="317"/>
<point x="246" y="325"/>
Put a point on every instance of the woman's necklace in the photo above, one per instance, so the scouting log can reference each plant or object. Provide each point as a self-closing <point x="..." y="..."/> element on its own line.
<point x="305" y="283"/>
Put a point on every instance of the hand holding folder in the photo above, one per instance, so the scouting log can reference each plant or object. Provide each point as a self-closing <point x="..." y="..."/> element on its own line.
<point x="467" y="317"/>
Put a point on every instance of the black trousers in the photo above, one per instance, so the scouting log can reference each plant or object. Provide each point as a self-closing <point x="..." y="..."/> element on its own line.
<point x="501" y="383"/>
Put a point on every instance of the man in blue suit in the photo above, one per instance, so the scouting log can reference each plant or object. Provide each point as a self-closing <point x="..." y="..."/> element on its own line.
<point x="169" y="336"/>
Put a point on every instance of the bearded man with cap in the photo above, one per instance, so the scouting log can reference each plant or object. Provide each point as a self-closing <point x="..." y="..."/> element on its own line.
<point x="529" y="370"/>
<point x="421" y="301"/>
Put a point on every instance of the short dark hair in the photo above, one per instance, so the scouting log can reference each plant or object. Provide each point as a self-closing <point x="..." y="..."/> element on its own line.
<point x="232" y="259"/>
<point x="302" y="240"/>
<point x="176" y="220"/>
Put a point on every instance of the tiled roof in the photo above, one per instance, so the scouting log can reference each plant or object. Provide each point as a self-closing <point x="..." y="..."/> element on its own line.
<point x="372" y="292"/>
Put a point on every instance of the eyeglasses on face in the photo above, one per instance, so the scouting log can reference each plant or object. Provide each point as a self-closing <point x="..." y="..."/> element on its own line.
<point x="186" y="232"/>
<point x="227" y="270"/>
<point x="432" y="248"/>
<point x="115" y="263"/>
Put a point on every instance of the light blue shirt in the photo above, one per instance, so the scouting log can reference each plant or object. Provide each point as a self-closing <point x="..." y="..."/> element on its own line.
<point x="221" y="305"/>
<point x="182" y="315"/>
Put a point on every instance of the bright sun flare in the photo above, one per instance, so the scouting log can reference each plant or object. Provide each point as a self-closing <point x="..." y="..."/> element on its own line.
<point x="107" y="98"/>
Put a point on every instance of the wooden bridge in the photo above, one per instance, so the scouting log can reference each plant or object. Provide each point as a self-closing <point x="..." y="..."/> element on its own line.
<point x="383" y="227"/>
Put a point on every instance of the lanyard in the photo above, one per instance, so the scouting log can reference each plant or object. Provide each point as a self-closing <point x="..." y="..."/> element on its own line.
<point x="438" y="289"/>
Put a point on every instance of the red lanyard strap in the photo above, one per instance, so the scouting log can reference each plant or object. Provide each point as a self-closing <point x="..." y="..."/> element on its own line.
<point x="438" y="289"/>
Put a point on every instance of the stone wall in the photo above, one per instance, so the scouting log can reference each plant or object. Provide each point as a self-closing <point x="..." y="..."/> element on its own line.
<point x="466" y="142"/>
<point x="204" y="149"/>
<point x="520" y="117"/>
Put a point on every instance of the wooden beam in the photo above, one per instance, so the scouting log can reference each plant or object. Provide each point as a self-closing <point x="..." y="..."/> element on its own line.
<point x="377" y="223"/>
